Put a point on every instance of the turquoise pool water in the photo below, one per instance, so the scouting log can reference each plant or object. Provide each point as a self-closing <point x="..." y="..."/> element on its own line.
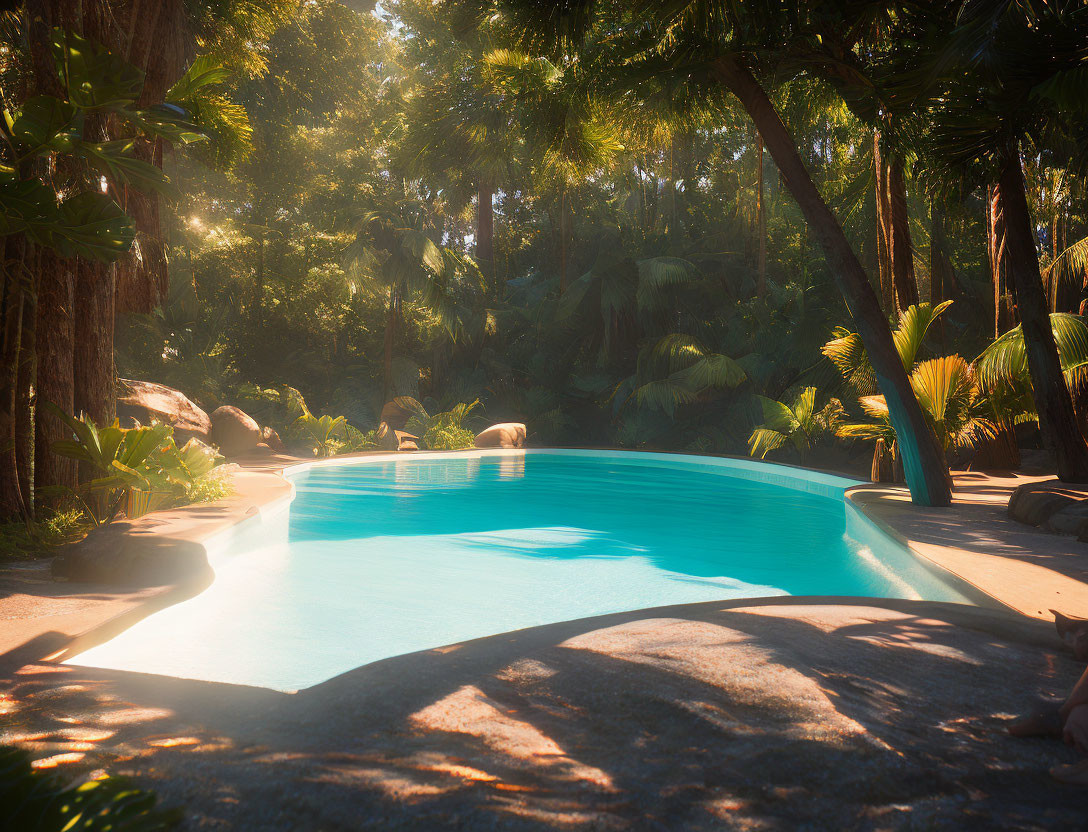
<point x="396" y="555"/>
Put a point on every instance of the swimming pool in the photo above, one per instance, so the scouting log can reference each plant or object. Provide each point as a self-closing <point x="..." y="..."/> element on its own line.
<point x="389" y="555"/>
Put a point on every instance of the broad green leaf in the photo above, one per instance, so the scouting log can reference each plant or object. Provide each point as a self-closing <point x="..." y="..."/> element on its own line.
<point x="42" y="120"/>
<point x="96" y="79"/>
<point x="117" y="160"/>
<point x="92" y="226"/>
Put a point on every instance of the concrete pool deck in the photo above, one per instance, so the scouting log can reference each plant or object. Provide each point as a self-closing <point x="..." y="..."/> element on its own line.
<point x="760" y="714"/>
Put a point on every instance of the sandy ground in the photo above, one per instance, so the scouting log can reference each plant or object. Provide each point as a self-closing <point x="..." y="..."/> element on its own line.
<point x="781" y="714"/>
<point x="763" y="715"/>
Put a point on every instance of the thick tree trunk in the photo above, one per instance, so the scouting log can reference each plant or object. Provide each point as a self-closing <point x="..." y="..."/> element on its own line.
<point x="485" y="231"/>
<point x="1057" y="420"/>
<point x="387" y="359"/>
<point x="56" y="379"/>
<point x="11" y="315"/>
<point x="883" y="234"/>
<point x="761" y="213"/>
<point x="901" y="248"/>
<point x="925" y="469"/>
<point x="95" y="384"/>
<point x="997" y="242"/>
<point x="24" y="404"/>
<point x="941" y="277"/>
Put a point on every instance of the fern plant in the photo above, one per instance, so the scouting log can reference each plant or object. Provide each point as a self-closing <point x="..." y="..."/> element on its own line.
<point x="36" y="801"/>
<point x="798" y="424"/>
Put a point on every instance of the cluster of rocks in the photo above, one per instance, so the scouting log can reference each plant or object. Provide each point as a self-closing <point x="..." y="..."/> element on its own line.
<point x="236" y="433"/>
<point x="233" y="430"/>
<point x="394" y="437"/>
<point x="1053" y="506"/>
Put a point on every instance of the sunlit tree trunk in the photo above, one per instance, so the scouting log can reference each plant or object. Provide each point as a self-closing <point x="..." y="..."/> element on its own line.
<point x="761" y="213"/>
<point x="390" y="332"/>
<point x="95" y="384"/>
<point x="900" y="246"/>
<point x="996" y="246"/>
<point x="924" y="466"/>
<point x="1057" y="420"/>
<point x="883" y="233"/>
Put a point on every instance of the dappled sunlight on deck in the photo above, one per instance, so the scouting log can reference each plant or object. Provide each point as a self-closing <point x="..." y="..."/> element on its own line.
<point x="802" y="710"/>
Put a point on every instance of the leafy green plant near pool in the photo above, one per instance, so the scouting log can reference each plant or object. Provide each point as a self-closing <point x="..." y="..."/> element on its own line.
<point x="137" y="469"/>
<point x="328" y="435"/>
<point x="35" y="801"/>
<point x="444" y="431"/>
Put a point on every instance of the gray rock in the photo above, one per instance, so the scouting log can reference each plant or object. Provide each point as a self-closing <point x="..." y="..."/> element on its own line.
<point x="145" y="401"/>
<point x="235" y="431"/>
<point x="505" y="435"/>
<point x="1071" y="519"/>
<point x="1033" y="503"/>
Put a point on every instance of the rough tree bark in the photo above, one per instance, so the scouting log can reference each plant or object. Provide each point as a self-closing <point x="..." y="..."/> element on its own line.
<point x="924" y="465"/>
<point x="95" y="386"/>
<point x="761" y="213"/>
<point x="12" y="303"/>
<point x="1057" y="420"/>
<point x="56" y="378"/>
<point x="996" y="245"/>
<point x="24" y="391"/>
<point x="900" y="248"/>
<point x="883" y="235"/>
<point x="940" y="267"/>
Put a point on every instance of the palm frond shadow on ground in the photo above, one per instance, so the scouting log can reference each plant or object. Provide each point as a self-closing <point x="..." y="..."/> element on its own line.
<point x="775" y="710"/>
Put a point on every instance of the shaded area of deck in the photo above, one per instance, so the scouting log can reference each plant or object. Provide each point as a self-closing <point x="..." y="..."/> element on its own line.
<point x="774" y="713"/>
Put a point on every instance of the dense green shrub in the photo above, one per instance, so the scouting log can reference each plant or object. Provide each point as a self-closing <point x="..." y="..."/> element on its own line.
<point x="36" y="801"/>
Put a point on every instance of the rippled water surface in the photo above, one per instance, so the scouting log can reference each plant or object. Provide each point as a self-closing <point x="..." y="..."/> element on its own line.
<point x="389" y="557"/>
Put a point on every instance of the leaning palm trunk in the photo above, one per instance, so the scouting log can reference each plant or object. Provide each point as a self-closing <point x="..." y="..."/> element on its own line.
<point x="923" y="461"/>
<point x="1057" y="420"/>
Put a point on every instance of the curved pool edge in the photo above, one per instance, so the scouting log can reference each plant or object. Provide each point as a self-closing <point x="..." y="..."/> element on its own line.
<point x="249" y="508"/>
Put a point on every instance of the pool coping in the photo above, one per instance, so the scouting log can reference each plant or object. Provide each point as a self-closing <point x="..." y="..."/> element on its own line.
<point x="972" y="574"/>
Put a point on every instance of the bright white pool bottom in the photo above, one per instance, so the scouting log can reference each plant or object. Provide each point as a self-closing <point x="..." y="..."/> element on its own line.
<point x="387" y="556"/>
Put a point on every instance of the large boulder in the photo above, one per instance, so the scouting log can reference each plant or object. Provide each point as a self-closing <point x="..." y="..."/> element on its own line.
<point x="505" y="435"/>
<point x="145" y="402"/>
<point x="395" y="416"/>
<point x="1034" y="503"/>
<point x="235" y="431"/>
<point x="272" y="440"/>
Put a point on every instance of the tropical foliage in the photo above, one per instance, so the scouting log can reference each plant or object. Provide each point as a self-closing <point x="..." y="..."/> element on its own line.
<point x="626" y="224"/>
<point x="37" y="801"/>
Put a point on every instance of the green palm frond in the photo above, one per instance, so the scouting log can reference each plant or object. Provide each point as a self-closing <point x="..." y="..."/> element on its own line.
<point x="656" y="274"/>
<point x="847" y="353"/>
<point x="914" y="323"/>
<point x="1071" y="265"/>
<point x="764" y="440"/>
<point x="1005" y="361"/>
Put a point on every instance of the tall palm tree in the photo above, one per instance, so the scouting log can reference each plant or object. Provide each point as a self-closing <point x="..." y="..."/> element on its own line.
<point x="1004" y="80"/>
<point x="732" y="42"/>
